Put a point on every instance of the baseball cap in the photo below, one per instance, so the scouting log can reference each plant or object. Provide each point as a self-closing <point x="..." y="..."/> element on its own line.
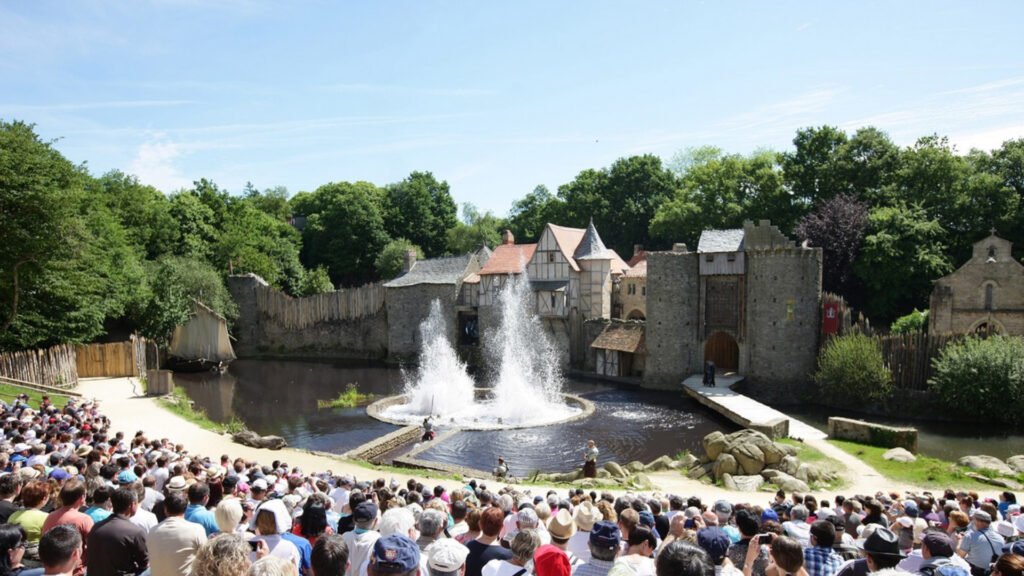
<point x="395" y="554"/>
<point x="365" y="511"/>
<point x="126" y="477"/>
<point x="938" y="544"/>
<point x="446" y="555"/>
<point x="1014" y="548"/>
<point x="715" y="542"/>
<point x="605" y="534"/>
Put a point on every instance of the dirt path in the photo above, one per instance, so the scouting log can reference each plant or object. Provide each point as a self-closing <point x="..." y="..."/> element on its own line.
<point x="129" y="412"/>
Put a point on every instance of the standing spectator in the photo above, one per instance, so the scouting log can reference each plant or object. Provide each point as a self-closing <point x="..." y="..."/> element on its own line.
<point x="173" y="543"/>
<point x="117" y="546"/>
<point x="819" y="558"/>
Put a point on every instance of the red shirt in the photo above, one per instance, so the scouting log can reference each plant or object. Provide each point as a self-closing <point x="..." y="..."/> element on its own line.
<point x="69" y="515"/>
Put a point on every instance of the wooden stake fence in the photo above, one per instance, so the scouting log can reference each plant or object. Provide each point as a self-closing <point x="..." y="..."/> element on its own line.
<point x="55" y="366"/>
<point x="300" y="313"/>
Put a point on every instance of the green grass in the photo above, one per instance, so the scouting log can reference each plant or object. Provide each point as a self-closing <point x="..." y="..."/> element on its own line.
<point x="181" y="405"/>
<point x="8" y="392"/>
<point x="924" y="472"/>
<point x="350" y="398"/>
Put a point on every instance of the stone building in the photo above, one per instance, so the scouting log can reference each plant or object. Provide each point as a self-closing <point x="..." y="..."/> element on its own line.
<point x="408" y="300"/>
<point x="986" y="294"/>
<point x="748" y="299"/>
<point x="630" y="294"/>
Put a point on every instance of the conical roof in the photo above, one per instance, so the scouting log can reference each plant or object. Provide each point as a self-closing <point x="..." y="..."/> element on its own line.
<point x="483" y="253"/>
<point x="591" y="247"/>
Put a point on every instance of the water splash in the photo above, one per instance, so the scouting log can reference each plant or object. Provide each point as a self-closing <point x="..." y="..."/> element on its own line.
<point x="527" y="384"/>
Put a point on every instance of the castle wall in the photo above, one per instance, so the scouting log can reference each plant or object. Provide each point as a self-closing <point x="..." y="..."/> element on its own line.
<point x="672" y="319"/>
<point x="783" y="320"/>
<point x="259" y="334"/>
<point x="407" y="308"/>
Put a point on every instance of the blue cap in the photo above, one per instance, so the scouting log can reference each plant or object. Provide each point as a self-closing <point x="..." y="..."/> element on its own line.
<point x="605" y="534"/>
<point x="395" y="554"/>
<point x="647" y="519"/>
<point x="1014" y="548"/>
<point x="714" y="541"/>
<point x="126" y="477"/>
<point x="59" y="474"/>
<point x="769" y="514"/>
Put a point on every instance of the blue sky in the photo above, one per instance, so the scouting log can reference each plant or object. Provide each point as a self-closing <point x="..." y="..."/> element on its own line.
<point x="493" y="97"/>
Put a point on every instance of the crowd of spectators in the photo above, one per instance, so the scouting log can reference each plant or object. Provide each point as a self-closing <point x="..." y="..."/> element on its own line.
<point x="77" y="498"/>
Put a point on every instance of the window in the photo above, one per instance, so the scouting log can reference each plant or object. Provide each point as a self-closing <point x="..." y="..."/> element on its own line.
<point x="643" y="290"/>
<point x="552" y="301"/>
<point x="709" y="258"/>
<point x="551" y="256"/>
<point x="731" y="256"/>
<point x="988" y="297"/>
<point x="991" y="251"/>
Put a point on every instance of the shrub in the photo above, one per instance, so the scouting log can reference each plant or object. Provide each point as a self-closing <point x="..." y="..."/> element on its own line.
<point x="978" y="373"/>
<point x="916" y="321"/>
<point x="852" y="371"/>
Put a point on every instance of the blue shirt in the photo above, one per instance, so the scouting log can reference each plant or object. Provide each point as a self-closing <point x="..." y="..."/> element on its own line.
<point x="305" y="550"/>
<point x="200" y="515"/>
<point x="821" y="561"/>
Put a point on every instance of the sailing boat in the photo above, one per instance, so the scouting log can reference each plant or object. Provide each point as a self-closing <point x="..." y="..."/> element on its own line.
<point x="202" y="343"/>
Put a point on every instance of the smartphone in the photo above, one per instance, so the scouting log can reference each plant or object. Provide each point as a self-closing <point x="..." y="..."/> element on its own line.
<point x="689" y="524"/>
<point x="764" y="539"/>
<point x="254" y="544"/>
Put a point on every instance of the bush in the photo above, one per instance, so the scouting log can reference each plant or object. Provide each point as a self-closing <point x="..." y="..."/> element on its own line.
<point x="391" y="260"/>
<point x="916" y="321"/>
<point x="978" y="373"/>
<point x="852" y="371"/>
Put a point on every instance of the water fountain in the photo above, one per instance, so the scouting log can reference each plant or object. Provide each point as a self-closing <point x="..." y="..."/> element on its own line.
<point x="527" y="383"/>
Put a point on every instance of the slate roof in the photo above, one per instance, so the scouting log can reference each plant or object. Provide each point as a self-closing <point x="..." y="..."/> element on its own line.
<point x="448" y="270"/>
<point x="548" y="285"/>
<point x="508" y="259"/>
<point x="622" y="337"/>
<point x="483" y="254"/>
<point x="590" y="246"/>
<point x="721" y="241"/>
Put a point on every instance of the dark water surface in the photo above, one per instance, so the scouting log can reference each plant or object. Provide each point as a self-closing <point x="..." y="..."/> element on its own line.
<point x="279" y="397"/>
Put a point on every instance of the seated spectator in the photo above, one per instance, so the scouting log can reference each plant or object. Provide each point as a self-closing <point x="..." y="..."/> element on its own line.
<point x="225" y="555"/>
<point x="60" y="549"/>
<point x="523" y="547"/>
<point x="683" y="559"/>
<point x="787" y="557"/>
<point x="330" y="556"/>
<point x="819" y="558"/>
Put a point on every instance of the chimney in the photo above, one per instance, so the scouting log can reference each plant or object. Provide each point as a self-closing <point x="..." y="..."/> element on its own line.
<point x="410" y="260"/>
<point x="637" y="248"/>
<point x="507" y="237"/>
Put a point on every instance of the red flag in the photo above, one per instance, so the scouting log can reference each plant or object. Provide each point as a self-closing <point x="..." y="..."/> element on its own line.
<point x="830" y="323"/>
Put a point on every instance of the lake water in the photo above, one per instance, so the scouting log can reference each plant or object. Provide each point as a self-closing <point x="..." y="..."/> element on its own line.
<point x="280" y="397"/>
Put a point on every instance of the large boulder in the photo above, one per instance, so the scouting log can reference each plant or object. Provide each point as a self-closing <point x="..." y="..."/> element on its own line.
<point x="686" y="461"/>
<point x="808" y="473"/>
<point x="750" y="458"/>
<point x="250" y="438"/>
<point x="701" y="471"/>
<point x="725" y="464"/>
<point x="714" y="443"/>
<point x="899" y="455"/>
<point x="663" y="463"/>
<point x="983" y="462"/>
<point x="750" y="483"/>
<point x="785" y="481"/>
<point x="1016" y="462"/>
<point x="789" y="465"/>
<point x="642" y="481"/>
<point x="635" y="466"/>
<point x="615" y="470"/>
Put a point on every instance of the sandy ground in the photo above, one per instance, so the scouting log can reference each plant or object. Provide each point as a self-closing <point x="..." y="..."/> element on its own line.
<point x="129" y="413"/>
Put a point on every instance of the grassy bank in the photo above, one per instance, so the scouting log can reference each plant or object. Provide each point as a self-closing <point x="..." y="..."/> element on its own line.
<point x="179" y="403"/>
<point x="9" y="392"/>
<point x="925" y="472"/>
<point x="350" y="398"/>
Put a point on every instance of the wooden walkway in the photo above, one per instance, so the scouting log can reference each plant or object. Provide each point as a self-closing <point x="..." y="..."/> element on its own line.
<point x="745" y="411"/>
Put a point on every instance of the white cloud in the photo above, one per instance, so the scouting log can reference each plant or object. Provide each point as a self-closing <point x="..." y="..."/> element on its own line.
<point x="154" y="164"/>
<point x="987" y="140"/>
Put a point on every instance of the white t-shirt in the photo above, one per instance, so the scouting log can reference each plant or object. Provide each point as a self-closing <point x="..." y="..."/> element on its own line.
<point x="503" y="568"/>
<point x="279" y="547"/>
<point x="340" y="497"/>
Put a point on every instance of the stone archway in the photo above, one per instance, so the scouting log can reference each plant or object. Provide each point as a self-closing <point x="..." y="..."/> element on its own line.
<point x="722" y="349"/>
<point x="636" y="314"/>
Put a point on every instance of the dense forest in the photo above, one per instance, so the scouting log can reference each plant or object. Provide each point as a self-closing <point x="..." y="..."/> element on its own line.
<point x="81" y="253"/>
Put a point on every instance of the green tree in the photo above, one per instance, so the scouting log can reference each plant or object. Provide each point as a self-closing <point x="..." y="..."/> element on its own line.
<point x="272" y="201"/>
<point x="530" y="214"/>
<point x="475" y="228"/>
<point x="348" y="234"/>
<point x="867" y="164"/>
<point x="391" y="261"/>
<point x="902" y="255"/>
<point x="176" y="281"/>
<point x="316" y="281"/>
<point x="852" y="371"/>
<point x="985" y="372"/>
<point x="197" y="225"/>
<point x="260" y="243"/>
<point x="143" y="211"/>
<point x="916" y="321"/>
<point x="39" y="194"/>
<point x="420" y="209"/>
<point x="814" y="169"/>
<point x="622" y="200"/>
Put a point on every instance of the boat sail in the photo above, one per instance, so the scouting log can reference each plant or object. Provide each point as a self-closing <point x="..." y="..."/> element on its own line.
<point x="201" y="343"/>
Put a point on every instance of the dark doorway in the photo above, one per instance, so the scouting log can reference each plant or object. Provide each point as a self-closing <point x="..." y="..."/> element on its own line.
<point x="722" y="349"/>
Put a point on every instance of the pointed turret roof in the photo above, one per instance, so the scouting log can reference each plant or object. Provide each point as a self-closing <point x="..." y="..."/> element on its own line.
<point x="591" y="247"/>
<point x="483" y="253"/>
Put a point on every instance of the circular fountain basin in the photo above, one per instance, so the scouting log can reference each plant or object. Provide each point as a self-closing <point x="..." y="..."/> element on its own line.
<point x="390" y="410"/>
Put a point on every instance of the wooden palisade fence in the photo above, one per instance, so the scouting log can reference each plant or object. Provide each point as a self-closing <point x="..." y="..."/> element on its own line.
<point x="909" y="357"/>
<point x="112" y="360"/>
<point x="54" y="366"/>
<point x="300" y="313"/>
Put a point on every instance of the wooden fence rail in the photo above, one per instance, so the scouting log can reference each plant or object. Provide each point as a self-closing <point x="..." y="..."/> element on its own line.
<point x="55" y="366"/>
<point x="112" y="360"/>
<point x="300" y="313"/>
